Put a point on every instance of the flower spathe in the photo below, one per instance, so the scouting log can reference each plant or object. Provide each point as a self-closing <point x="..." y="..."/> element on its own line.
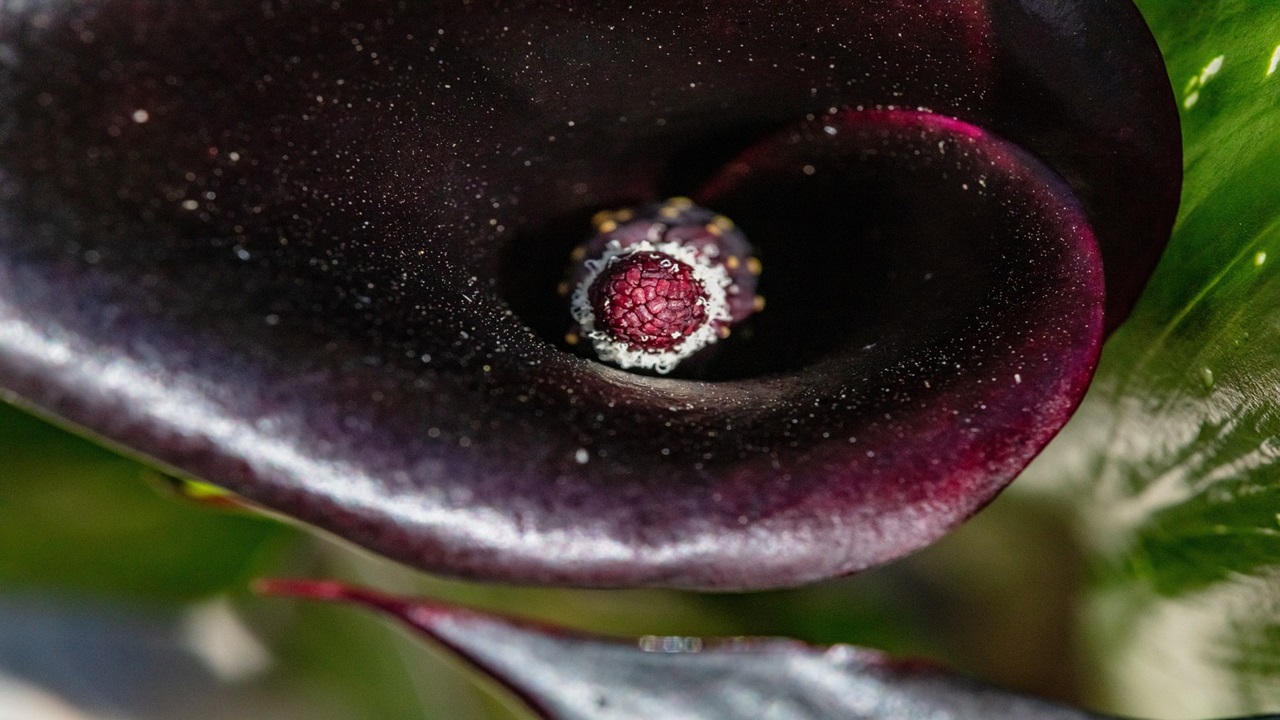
<point x="312" y="254"/>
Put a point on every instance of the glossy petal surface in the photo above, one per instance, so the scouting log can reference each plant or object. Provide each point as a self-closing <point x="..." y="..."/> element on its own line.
<point x="301" y="252"/>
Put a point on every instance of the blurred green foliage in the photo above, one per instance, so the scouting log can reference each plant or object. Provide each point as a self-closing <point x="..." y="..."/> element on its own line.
<point x="74" y="515"/>
<point x="1189" y="389"/>
<point x="1171" y="462"/>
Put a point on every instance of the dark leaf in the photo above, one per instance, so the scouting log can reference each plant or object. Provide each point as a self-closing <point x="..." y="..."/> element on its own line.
<point x="309" y="253"/>
<point x="569" y="676"/>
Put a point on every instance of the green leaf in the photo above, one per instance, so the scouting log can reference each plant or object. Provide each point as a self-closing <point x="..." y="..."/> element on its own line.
<point x="1176" y="450"/>
<point x="1182" y="426"/>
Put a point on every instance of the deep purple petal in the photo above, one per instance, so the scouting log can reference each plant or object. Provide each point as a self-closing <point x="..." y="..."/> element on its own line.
<point x="568" y="676"/>
<point x="303" y="253"/>
<point x="1080" y="85"/>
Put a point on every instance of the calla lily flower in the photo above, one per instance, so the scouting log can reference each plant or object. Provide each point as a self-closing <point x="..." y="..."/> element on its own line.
<point x="310" y="252"/>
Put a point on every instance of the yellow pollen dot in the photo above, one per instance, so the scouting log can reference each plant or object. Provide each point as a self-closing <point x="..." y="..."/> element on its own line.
<point x="758" y="303"/>
<point x="669" y="211"/>
<point x="572" y="338"/>
<point x="607" y="226"/>
<point x="725" y="223"/>
<point x="578" y="253"/>
<point x="714" y="229"/>
<point x="563" y="288"/>
<point x="623" y="215"/>
<point x="724" y="331"/>
<point x="753" y="266"/>
<point x="681" y="203"/>
<point x="732" y="262"/>
<point x="602" y="217"/>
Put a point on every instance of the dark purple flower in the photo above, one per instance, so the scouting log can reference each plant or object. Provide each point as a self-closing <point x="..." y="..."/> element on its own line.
<point x="310" y="252"/>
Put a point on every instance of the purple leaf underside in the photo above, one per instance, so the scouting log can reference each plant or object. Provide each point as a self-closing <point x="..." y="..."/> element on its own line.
<point x="570" y="676"/>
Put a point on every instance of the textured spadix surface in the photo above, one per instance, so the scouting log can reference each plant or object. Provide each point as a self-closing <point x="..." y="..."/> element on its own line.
<point x="309" y="252"/>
